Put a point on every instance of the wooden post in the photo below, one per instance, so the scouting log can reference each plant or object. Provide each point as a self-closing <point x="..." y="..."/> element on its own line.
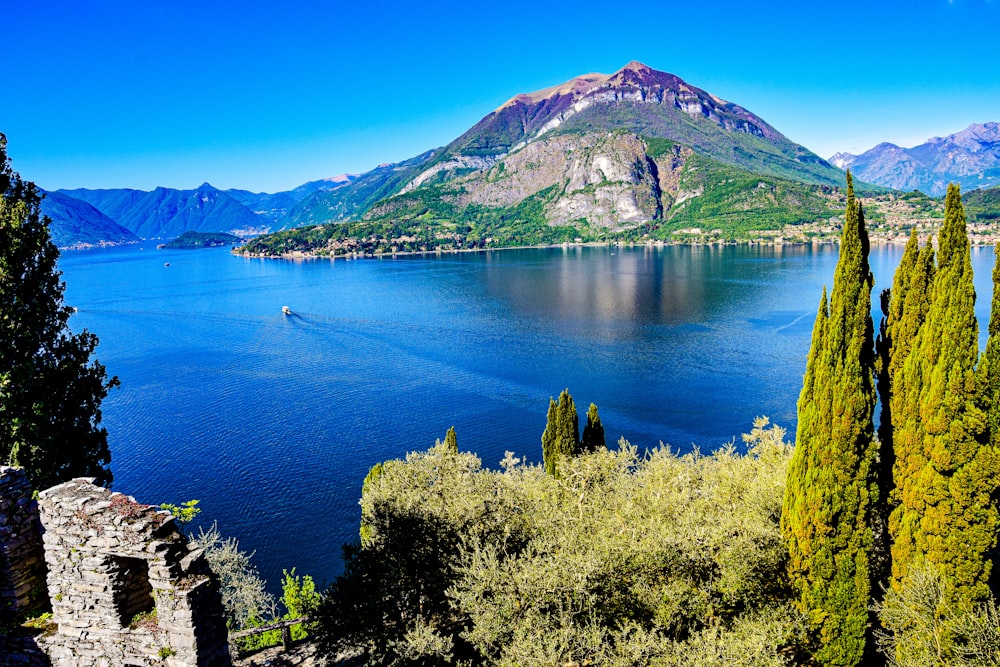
<point x="286" y="637"/>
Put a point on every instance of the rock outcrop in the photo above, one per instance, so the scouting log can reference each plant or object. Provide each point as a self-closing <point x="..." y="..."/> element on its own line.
<point x="606" y="179"/>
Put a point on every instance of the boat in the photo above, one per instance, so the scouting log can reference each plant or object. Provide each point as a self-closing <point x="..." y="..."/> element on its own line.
<point x="286" y="310"/>
<point x="166" y="264"/>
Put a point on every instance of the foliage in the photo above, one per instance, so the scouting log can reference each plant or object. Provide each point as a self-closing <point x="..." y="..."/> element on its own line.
<point x="593" y="432"/>
<point x="50" y="388"/>
<point x="622" y="559"/>
<point x="988" y="371"/>
<point x="983" y="205"/>
<point x="369" y="482"/>
<point x="451" y="440"/>
<point x="904" y="309"/>
<point x="831" y="492"/>
<point x="561" y="437"/>
<point x="184" y="513"/>
<point x="926" y="628"/>
<point x="946" y="514"/>
<point x="191" y="239"/>
<point x="416" y="512"/>
<point x="300" y="598"/>
<point x="244" y="596"/>
<point x="738" y="201"/>
<point x="146" y="620"/>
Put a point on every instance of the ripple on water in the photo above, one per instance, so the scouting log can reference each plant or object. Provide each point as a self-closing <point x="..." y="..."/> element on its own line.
<point x="273" y="421"/>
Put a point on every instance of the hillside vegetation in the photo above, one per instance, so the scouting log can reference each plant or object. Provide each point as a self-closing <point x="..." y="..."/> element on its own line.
<point x="623" y="559"/>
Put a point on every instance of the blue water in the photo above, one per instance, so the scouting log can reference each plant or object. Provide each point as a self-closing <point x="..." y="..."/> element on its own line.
<point x="273" y="421"/>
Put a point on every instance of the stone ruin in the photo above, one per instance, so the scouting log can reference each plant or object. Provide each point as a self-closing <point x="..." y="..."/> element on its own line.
<point x="22" y="561"/>
<point x="126" y="589"/>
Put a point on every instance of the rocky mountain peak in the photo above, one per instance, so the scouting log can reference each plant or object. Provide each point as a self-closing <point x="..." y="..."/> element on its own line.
<point x="842" y="160"/>
<point x="574" y="88"/>
<point x="636" y="67"/>
<point x="970" y="158"/>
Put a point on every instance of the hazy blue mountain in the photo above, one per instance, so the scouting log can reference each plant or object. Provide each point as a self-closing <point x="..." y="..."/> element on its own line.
<point x="168" y="213"/>
<point x="970" y="158"/>
<point x="353" y="198"/>
<point x="275" y="207"/>
<point x="77" y="223"/>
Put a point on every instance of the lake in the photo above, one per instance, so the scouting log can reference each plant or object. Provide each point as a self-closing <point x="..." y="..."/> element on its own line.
<point x="272" y="421"/>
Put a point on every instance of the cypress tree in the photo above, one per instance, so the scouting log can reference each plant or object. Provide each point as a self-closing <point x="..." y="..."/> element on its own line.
<point x="451" y="440"/>
<point x="562" y="432"/>
<point x="593" y="432"/>
<point x="893" y="343"/>
<point x="832" y="486"/>
<point x="989" y="365"/>
<point x="906" y="371"/>
<point x="904" y="308"/>
<point x="946" y="515"/>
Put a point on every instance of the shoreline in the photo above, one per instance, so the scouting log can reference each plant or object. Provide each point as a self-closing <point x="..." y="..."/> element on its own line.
<point x="301" y="255"/>
<point x="298" y="255"/>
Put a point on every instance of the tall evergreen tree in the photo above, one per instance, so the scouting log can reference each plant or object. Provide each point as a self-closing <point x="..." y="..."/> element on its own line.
<point x="989" y="365"/>
<point x="946" y="515"/>
<point x="832" y="486"/>
<point x="593" y="432"/>
<point x="906" y="371"/>
<point x="561" y="437"/>
<point x="50" y="389"/>
<point x="904" y="309"/>
<point x="451" y="440"/>
<point x="892" y="344"/>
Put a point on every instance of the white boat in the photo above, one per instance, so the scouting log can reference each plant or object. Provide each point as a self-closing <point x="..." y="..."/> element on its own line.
<point x="286" y="310"/>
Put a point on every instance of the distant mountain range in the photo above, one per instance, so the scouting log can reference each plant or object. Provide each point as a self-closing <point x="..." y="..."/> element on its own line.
<point x="970" y="158"/>
<point x="82" y="216"/>
<point x="77" y="223"/>
<point x="639" y="150"/>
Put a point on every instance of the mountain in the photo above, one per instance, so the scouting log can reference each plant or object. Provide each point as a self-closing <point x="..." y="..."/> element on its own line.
<point x="642" y="101"/>
<point x="601" y="152"/>
<point x="353" y="198"/>
<point x="276" y="207"/>
<point x="76" y="223"/>
<point x="168" y="213"/>
<point x="638" y="150"/>
<point x="970" y="158"/>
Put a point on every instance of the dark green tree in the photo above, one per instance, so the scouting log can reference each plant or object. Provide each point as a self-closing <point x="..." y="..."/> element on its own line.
<point x="593" y="432"/>
<point x="904" y="310"/>
<point x="451" y="440"/>
<point x="562" y="432"/>
<point x="832" y="483"/>
<point x="946" y="515"/>
<point x="989" y="365"/>
<point x="50" y="388"/>
<point x="892" y="345"/>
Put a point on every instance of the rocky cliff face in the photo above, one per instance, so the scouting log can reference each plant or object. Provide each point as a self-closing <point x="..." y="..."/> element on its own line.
<point x="970" y="157"/>
<point x="606" y="179"/>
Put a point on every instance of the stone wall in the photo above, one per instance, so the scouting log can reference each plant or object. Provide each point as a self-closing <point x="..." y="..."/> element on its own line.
<point x="126" y="587"/>
<point x="22" y="564"/>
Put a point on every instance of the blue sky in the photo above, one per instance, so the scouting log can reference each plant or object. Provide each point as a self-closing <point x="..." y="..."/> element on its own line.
<point x="266" y="96"/>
